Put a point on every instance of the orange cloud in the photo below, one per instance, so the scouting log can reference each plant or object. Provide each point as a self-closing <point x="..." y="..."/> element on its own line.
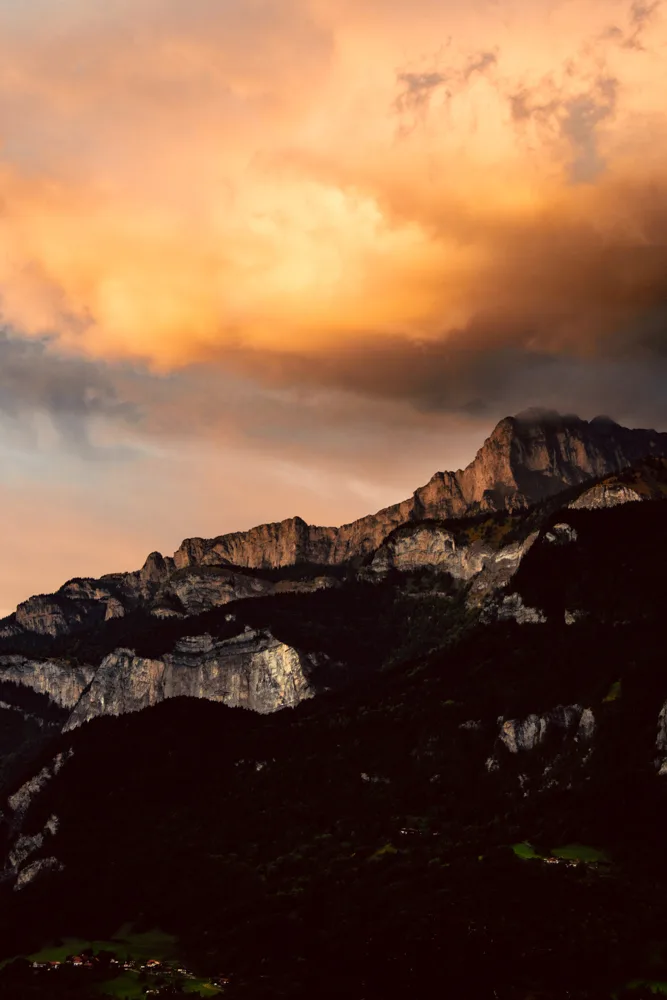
<point x="178" y="181"/>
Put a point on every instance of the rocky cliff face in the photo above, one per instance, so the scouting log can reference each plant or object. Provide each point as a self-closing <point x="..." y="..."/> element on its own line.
<point x="527" y="458"/>
<point x="571" y="730"/>
<point x="253" y="670"/>
<point x="606" y="495"/>
<point x="433" y="546"/>
<point x="63" y="682"/>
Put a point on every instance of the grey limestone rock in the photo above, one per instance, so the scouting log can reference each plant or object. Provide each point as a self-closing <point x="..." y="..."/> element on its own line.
<point x="253" y="670"/>
<point x="528" y="733"/>
<point x="34" y="870"/>
<point x="606" y="495"/>
<point x="63" y="682"/>
<point x="512" y="607"/>
<point x="561" y="534"/>
<point x="21" y="799"/>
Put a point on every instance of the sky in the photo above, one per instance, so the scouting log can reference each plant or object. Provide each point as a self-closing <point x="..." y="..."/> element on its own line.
<point x="261" y="258"/>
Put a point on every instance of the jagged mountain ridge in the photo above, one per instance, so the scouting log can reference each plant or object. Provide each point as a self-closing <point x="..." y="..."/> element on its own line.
<point x="526" y="459"/>
<point x="250" y="661"/>
<point x="378" y="819"/>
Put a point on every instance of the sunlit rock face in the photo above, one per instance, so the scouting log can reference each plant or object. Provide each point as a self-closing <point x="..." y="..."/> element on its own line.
<point x="430" y="546"/>
<point x="20" y="801"/>
<point x="606" y="495"/>
<point x="202" y="588"/>
<point x="489" y="567"/>
<point x="35" y="869"/>
<point x="47" y="615"/>
<point x="61" y="681"/>
<point x="253" y="670"/>
<point x="498" y="570"/>
<point x="526" y="459"/>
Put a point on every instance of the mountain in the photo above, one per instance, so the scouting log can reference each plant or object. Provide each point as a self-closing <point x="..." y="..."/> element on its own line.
<point x="526" y="459"/>
<point x="477" y="808"/>
<point x="268" y="637"/>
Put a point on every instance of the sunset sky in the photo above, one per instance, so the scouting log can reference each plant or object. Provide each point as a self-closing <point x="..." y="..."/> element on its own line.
<point x="261" y="258"/>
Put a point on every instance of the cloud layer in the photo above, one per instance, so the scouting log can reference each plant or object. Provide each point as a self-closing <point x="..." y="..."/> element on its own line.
<point x="183" y="181"/>
<point x="288" y="256"/>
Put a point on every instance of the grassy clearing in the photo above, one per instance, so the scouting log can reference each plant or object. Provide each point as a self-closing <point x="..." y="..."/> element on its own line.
<point x="69" y="946"/>
<point x="148" y="944"/>
<point x="382" y="852"/>
<point x="614" y="692"/>
<point x="579" y="852"/>
<point x="526" y="851"/>
<point x="654" y="986"/>
<point x="125" y="944"/>
<point x="201" y="986"/>
<point x="569" y="852"/>
<point x="125" y="986"/>
<point x="128" y="985"/>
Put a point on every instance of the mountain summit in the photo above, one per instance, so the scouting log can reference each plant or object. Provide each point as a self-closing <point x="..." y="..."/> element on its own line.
<point x="525" y="459"/>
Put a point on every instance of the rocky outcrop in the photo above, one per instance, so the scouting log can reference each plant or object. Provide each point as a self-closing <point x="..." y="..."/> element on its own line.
<point x="53" y="615"/>
<point x="200" y="588"/>
<point x="528" y="733"/>
<point x="561" y="534"/>
<point x="430" y="546"/>
<point x="34" y="870"/>
<point x="253" y="670"/>
<point x="574" y="724"/>
<point x="512" y="608"/>
<point x="606" y="495"/>
<point x="156" y="571"/>
<point x="661" y="741"/>
<point x="23" y="848"/>
<point x="20" y="801"/>
<point x="61" y="681"/>
<point x="433" y="546"/>
<point x="9" y="628"/>
<point x="499" y="570"/>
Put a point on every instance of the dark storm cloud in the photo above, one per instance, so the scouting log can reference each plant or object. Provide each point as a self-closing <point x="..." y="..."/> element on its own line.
<point x="450" y="378"/>
<point x="71" y="391"/>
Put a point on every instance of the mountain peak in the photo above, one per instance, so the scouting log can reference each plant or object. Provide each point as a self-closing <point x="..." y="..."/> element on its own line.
<point x="604" y="421"/>
<point x="542" y="415"/>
